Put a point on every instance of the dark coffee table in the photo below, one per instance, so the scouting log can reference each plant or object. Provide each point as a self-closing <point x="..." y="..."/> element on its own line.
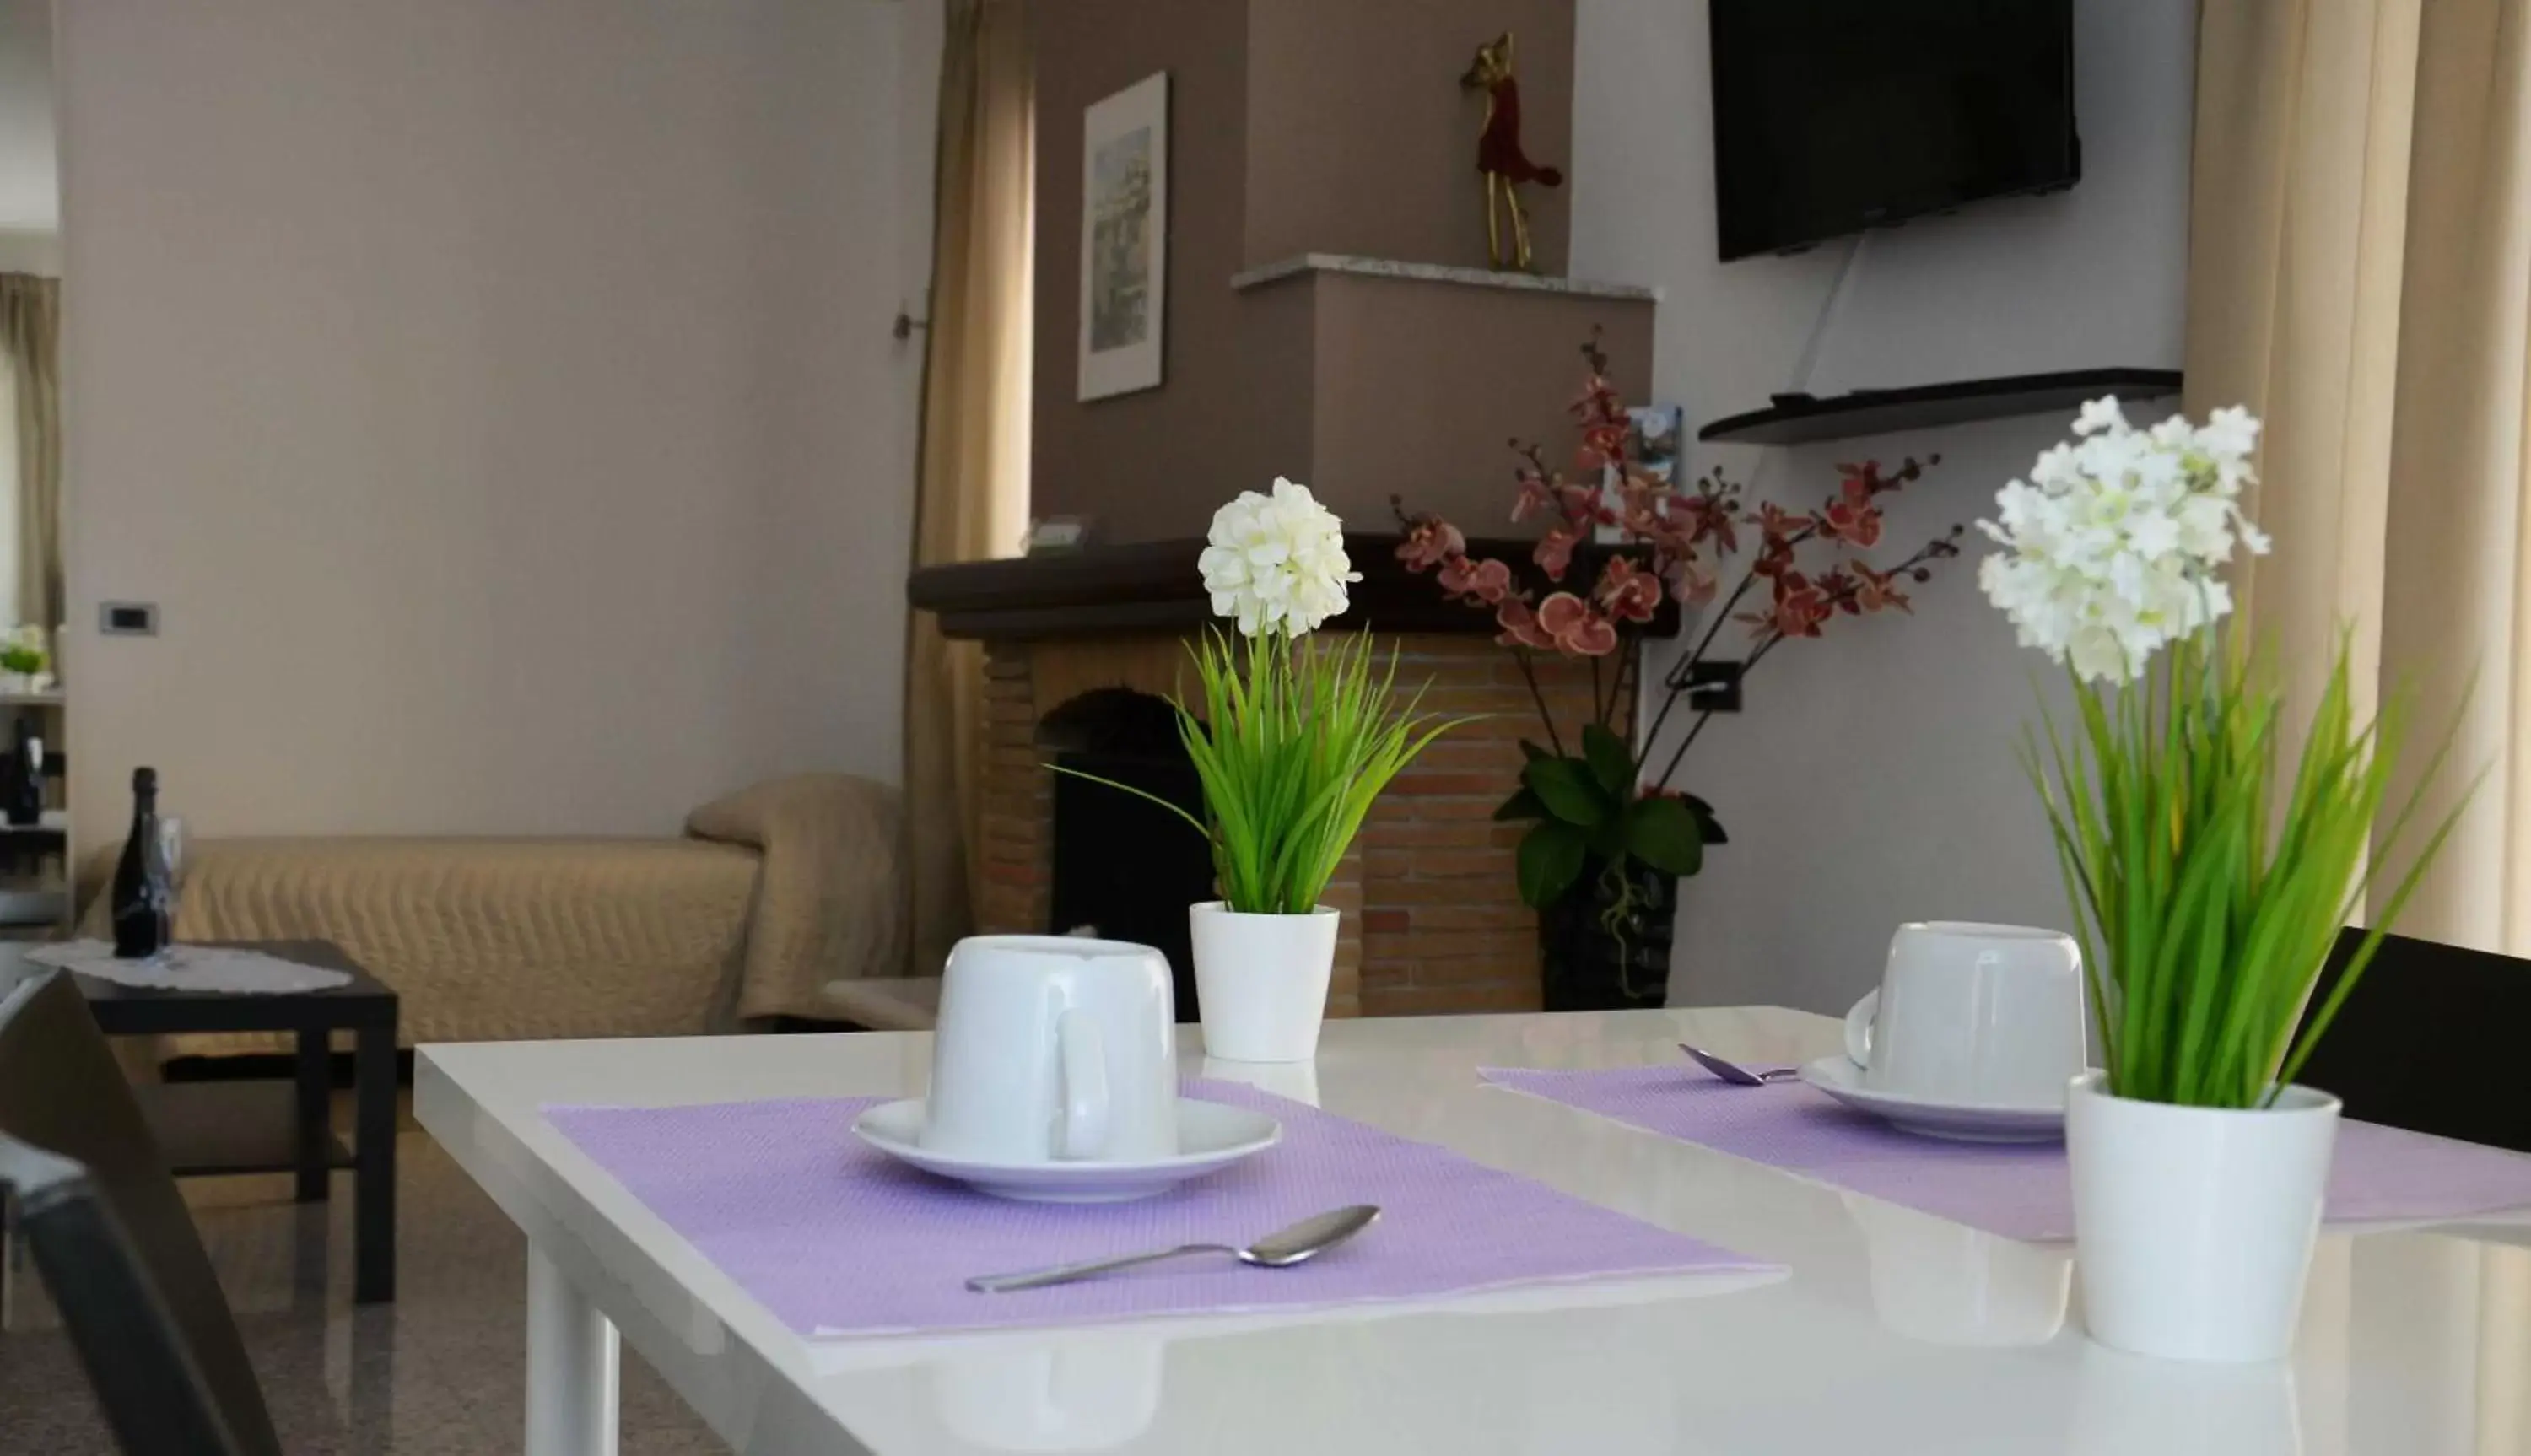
<point x="271" y="1125"/>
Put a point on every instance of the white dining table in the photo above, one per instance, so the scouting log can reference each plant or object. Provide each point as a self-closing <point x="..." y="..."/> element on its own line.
<point x="1890" y="1332"/>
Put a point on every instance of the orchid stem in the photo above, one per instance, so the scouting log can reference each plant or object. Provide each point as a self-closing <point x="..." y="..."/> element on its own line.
<point x="1530" y="676"/>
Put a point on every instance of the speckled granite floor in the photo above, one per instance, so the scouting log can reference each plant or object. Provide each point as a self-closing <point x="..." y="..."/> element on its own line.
<point x="437" y="1371"/>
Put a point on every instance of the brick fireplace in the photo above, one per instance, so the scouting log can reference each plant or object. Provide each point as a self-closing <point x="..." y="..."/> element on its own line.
<point x="1432" y="919"/>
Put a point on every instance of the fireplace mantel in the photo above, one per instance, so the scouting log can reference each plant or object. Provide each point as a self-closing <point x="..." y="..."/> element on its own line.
<point x="1152" y="586"/>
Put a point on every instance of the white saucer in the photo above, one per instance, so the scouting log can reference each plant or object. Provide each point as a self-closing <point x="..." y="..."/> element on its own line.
<point x="1211" y="1135"/>
<point x="1961" y="1122"/>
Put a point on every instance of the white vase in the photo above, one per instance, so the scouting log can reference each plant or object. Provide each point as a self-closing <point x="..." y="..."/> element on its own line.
<point x="1260" y="981"/>
<point x="2193" y="1226"/>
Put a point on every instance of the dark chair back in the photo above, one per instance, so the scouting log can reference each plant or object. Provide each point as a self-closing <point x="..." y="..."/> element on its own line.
<point x="114" y="1239"/>
<point x="2430" y="1040"/>
<point x="147" y="1382"/>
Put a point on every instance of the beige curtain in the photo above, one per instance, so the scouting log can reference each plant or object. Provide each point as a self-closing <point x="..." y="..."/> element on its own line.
<point x="971" y="491"/>
<point x="2360" y="276"/>
<point x="30" y="327"/>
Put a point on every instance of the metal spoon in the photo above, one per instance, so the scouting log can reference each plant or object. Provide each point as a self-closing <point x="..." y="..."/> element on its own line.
<point x="1735" y="1073"/>
<point x="1278" y="1250"/>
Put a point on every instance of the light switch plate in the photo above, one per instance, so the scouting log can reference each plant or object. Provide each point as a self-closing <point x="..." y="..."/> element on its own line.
<point x="127" y="618"/>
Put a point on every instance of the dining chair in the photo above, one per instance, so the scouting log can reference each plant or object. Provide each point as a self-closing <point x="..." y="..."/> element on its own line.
<point x="113" y="1239"/>
<point x="2430" y="1041"/>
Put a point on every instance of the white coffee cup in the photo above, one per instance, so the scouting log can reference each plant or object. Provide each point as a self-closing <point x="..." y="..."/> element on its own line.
<point x="1053" y="1047"/>
<point x="1973" y="1014"/>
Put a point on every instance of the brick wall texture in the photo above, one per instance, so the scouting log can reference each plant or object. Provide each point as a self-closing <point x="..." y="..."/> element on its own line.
<point x="1431" y="917"/>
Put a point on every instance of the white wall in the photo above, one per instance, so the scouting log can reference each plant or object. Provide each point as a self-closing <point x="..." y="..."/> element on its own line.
<point x="1873" y="777"/>
<point x="496" y="398"/>
<point x="30" y="187"/>
<point x="29" y="196"/>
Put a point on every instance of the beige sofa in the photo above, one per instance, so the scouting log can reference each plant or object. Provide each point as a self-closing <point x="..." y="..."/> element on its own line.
<point x="777" y="895"/>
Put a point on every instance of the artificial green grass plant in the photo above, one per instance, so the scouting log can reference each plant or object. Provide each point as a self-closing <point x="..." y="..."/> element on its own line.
<point x="1292" y="742"/>
<point x="2208" y="893"/>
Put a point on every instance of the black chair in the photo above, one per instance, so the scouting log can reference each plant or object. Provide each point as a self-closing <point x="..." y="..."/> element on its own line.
<point x="2430" y="1040"/>
<point x="114" y="1241"/>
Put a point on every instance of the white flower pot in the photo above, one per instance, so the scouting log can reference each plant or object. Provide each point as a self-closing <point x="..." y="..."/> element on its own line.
<point x="2193" y="1226"/>
<point x="1260" y="981"/>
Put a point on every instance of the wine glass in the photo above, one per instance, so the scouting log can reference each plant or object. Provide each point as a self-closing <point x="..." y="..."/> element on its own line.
<point x="172" y="856"/>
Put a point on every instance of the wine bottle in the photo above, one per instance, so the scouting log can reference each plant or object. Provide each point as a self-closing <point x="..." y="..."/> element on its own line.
<point x="26" y="782"/>
<point x="142" y="892"/>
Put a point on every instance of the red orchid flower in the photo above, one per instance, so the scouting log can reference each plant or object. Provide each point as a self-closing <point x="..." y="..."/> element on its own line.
<point x="1840" y="589"/>
<point x="1429" y="542"/>
<point x="1537" y="493"/>
<point x="1594" y="635"/>
<point x="1489" y="581"/>
<point x="1707" y="518"/>
<point x="1520" y="629"/>
<point x="1580" y="504"/>
<point x="1877" y="591"/>
<point x="1778" y="525"/>
<point x="1857" y="523"/>
<point x="1575" y="626"/>
<point x="1798" y="610"/>
<point x="1558" y="613"/>
<point x="1555" y="552"/>
<point x="1861" y="483"/>
<point x="1602" y="444"/>
<point x="1627" y="592"/>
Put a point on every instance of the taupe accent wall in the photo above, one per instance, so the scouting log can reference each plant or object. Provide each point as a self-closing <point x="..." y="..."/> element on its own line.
<point x="1420" y="388"/>
<point x="1308" y="126"/>
<point x="1360" y="139"/>
<point x="1233" y="401"/>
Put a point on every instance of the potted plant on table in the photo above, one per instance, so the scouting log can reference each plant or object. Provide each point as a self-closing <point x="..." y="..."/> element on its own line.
<point x="21" y="660"/>
<point x="2207" y="885"/>
<point x="1611" y="835"/>
<point x="1291" y="742"/>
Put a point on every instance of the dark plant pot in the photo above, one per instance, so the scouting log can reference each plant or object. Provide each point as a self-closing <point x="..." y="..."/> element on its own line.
<point x="1585" y="966"/>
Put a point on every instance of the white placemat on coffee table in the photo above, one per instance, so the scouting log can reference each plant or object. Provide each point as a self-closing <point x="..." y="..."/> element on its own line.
<point x="192" y="968"/>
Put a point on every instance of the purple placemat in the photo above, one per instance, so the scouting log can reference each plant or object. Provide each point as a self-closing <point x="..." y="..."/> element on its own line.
<point x="2019" y="1190"/>
<point x="836" y="1238"/>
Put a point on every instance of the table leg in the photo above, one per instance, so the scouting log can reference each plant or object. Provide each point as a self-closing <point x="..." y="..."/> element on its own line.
<point x="316" y="1114"/>
<point x="373" y="1165"/>
<point x="572" y="1367"/>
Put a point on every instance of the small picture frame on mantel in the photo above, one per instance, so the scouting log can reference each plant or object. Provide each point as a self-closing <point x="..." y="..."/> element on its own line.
<point x="1124" y="237"/>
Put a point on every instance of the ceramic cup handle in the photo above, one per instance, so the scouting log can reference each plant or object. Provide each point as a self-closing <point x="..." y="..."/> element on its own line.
<point x="1085" y="1086"/>
<point x="1858" y="1028"/>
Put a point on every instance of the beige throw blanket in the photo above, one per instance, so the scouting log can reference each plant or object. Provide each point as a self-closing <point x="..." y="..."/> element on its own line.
<point x="829" y="900"/>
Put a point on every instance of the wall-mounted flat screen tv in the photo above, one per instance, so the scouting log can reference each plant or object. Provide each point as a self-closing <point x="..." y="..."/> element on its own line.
<point x="1832" y="116"/>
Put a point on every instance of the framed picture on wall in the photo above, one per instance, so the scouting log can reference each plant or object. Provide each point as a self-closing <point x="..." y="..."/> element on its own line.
<point x="1124" y="237"/>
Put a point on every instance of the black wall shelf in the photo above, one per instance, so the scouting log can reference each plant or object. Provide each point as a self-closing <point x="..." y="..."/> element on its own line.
<point x="1800" y="420"/>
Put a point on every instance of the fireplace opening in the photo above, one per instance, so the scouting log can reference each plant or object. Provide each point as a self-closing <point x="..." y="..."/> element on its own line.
<point x="1124" y="868"/>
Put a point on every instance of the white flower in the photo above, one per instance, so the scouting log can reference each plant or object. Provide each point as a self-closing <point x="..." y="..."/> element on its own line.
<point x="2114" y="541"/>
<point x="1277" y="562"/>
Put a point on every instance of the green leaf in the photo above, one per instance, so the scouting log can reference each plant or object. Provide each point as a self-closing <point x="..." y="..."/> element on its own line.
<point x="1524" y="804"/>
<point x="1532" y="753"/>
<point x="1569" y="791"/>
<point x="1708" y="827"/>
<point x="1665" y="835"/>
<point x="1608" y="838"/>
<point x="1611" y="762"/>
<point x="1550" y="861"/>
